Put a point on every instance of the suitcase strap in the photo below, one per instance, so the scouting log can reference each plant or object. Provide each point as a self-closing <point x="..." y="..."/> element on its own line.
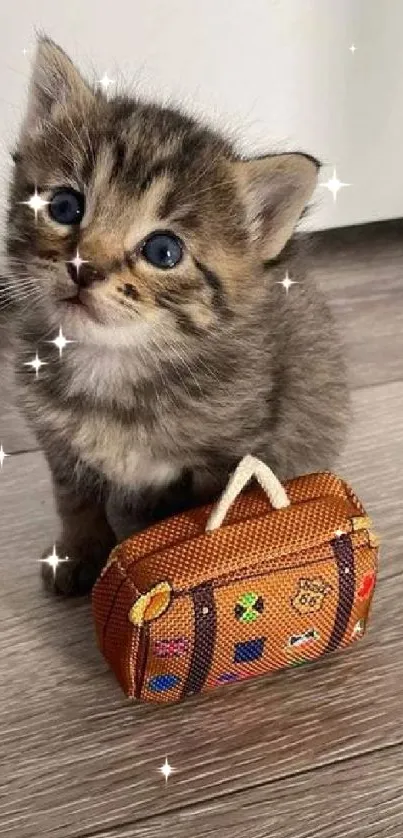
<point x="248" y="467"/>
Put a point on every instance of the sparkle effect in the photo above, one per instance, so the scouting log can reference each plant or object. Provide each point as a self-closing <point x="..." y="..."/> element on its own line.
<point x="287" y="282"/>
<point x="77" y="262"/>
<point x="352" y="48"/>
<point x="166" y="769"/>
<point x="3" y="456"/>
<point x="334" y="185"/>
<point x="105" y="82"/>
<point x="36" y="364"/>
<point x="54" y="560"/>
<point x="35" y="203"/>
<point x="61" y="342"/>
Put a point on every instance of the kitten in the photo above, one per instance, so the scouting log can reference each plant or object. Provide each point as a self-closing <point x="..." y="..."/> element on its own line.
<point x="187" y="351"/>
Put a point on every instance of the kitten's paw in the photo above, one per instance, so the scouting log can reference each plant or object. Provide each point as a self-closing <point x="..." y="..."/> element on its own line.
<point x="76" y="572"/>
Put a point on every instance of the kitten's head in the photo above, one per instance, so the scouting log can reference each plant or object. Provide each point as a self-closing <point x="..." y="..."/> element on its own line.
<point x="172" y="226"/>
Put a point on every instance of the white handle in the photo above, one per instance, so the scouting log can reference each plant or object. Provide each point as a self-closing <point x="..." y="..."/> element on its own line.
<point x="248" y="467"/>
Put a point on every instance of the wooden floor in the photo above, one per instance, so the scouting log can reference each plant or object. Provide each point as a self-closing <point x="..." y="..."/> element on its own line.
<point x="306" y="753"/>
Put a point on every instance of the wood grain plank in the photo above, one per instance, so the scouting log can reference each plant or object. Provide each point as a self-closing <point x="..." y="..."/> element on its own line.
<point x="353" y="798"/>
<point x="360" y="269"/>
<point x="77" y="758"/>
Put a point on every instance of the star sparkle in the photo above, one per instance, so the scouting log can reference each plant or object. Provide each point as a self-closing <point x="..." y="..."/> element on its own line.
<point x="352" y="48"/>
<point x="105" y="82"/>
<point x="60" y="341"/>
<point x="77" y="262"/>
<point x="53" y="560"/>
<point x="166" y="769"/>
<point x="334" y="185"/>
<point x="36" y="203"/>
<point x="36" y="364"/>
<point x="287" y="282"/>
<point x="3" y="456"/>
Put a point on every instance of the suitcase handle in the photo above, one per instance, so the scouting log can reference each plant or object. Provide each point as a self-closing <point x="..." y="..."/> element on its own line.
<point x="247" y="468"/>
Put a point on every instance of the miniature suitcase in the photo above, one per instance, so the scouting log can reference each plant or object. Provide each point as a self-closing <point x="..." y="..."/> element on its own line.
<point x="271" y="577"/>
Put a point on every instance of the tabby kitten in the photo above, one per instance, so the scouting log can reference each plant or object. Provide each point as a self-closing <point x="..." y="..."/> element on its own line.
<point x="160" y="254"/>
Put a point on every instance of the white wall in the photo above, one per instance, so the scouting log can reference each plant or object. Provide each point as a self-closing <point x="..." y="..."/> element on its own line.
<point x="278" y="72"/>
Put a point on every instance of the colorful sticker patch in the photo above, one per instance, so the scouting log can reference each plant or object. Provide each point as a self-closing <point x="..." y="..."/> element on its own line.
<point x="310" y="595"/>
<point x="359" y="628"/>
<point x="249" y="607"/>
<point x="303" y="639"/>
<point x="174" y="648"/>
<point x="228" y="678"/>
<point x="231" y="677"/>
<point x="162" y="683"/>
<point x="251" y="650"/>
<point x="367" y="586"/>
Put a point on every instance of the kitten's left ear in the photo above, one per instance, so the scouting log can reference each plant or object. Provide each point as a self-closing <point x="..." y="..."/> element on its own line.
<point x="55" y="83"/>
<point x="276" y="190"/>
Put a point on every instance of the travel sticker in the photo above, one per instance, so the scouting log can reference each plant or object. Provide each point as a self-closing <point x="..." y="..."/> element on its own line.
<point x="367" y="586"/>
<point x="310" y="595"/>
<point x="249" y="607"/>
<point x="175" y="647"/>
<point x="232" y="677"/>
<point x="303" y="639"/>
<point x="249" y="651"/>
<point x="162" y="683"/>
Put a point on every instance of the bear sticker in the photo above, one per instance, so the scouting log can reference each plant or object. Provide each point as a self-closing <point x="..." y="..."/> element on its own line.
<point x="310" y="595"/>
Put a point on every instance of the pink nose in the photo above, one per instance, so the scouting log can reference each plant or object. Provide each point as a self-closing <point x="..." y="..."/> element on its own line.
<point x="85" y="275"/>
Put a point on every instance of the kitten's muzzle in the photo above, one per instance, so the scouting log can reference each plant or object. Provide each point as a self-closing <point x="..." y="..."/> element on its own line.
<point x="85" y="275"/>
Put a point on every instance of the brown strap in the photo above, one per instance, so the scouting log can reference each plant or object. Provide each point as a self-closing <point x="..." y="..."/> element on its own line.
<point x="142" y="655"/>
<point x="205" y="627"/>
<point x="344" y="554"/>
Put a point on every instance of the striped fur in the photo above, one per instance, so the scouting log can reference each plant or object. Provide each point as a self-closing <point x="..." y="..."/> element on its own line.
<point x="176" y="374"/>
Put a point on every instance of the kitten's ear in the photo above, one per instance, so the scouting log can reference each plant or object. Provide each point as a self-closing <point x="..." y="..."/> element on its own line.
<point x="55" y="82"/>
<point x="276" y="190"/>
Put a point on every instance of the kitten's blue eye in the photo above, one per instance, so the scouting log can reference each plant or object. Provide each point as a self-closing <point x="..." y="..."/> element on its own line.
<point x="66" y="206"/>
<point x="163" y="250"/>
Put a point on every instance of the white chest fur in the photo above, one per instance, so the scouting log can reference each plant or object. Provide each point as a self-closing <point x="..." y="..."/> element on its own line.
<point x="104" y="373"/>
<point x="121" y="452"/>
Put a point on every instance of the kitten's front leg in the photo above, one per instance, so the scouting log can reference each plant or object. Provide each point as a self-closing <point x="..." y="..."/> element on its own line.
<point x="86" y="538"/>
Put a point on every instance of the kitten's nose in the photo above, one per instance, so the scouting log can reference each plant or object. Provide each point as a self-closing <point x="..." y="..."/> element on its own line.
<point x="85" y="274"/>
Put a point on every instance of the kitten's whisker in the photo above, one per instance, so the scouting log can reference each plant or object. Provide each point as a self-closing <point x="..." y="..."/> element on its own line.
<point x="171" y="363"/>
<point x="18" y="294"/>
<point x="210" y="166"/>
<point x="186" y="365"/>
<point x="90" y="145"/>
<point x="210" y="371"/>
<point x="71" y="160"/>
<point x="165" y="381"/>
<point x="83" y="147"/>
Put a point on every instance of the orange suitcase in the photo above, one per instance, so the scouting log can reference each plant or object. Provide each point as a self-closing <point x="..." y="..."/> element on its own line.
<point x="220" y="594"/>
